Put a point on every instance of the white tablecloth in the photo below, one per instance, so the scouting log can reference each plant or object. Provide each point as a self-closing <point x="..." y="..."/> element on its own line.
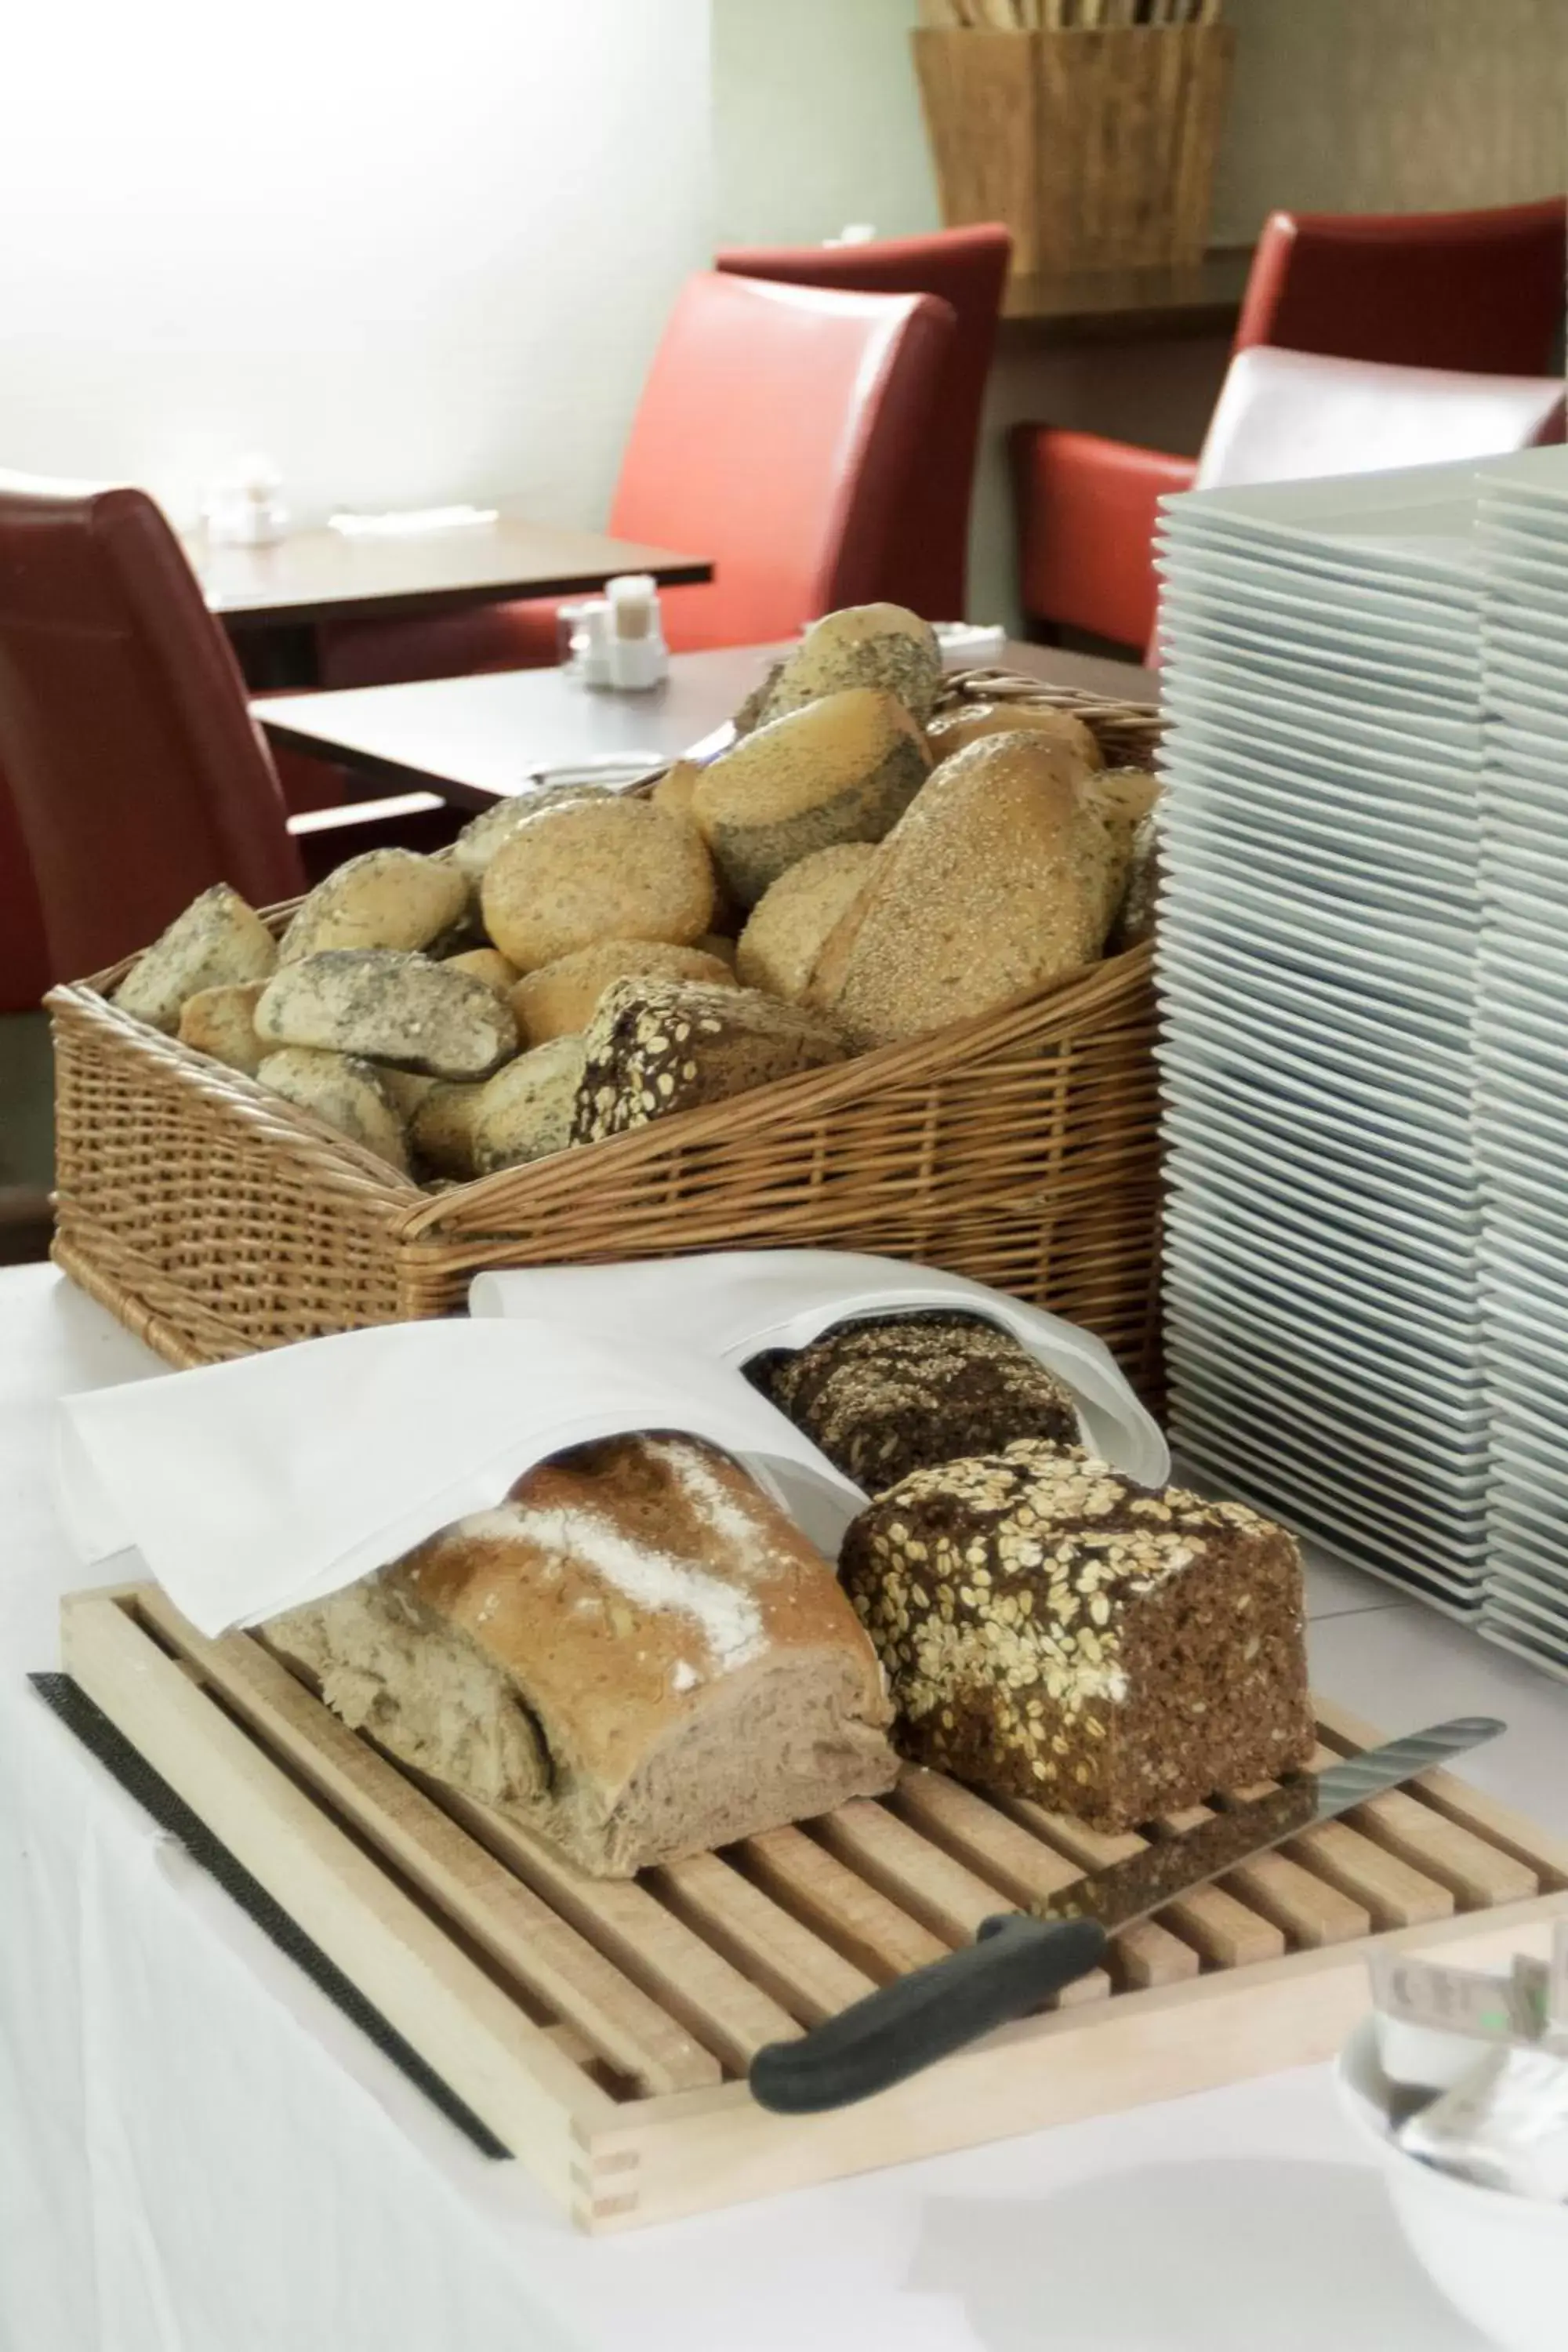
<point x="198" y="2153"/>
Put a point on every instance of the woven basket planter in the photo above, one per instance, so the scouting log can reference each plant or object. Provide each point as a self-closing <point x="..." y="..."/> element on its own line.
<point x="213" y="1218"/>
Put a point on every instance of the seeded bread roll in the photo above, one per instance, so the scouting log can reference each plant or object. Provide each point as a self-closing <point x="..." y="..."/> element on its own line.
<point x="344" y="1090"/>
<point x="1052" y="1630"/>
<point x="676" y="786"/>
<point x="385" y="899"/>
<point x="488" y="964"/>
<point x="719" y="945"/>
<point x="389" y="1008"/>
<point x="217" y="942"/>
<point x="883" y="1399"/>
<point x="1136" y="917"/>
<point x="222" y="1022"/>
<point x="881" y="646"/>
<point x="441" y="1129"/>
<point x="655" y="1046"/>
<point x="999" y="881"/>
<point x="636" y="1655"/>
<point x="527" y="1110"/>
<point x="483" y="834"/>
<point x="406" y="1089"/>
<point x="843" y="769"/>
<point x="971" y="721"/>
<point x="559" y="999"/>
<point x="1126" y="795"/>
<point x="779" y="945"/>
<point x="599" y="869"/>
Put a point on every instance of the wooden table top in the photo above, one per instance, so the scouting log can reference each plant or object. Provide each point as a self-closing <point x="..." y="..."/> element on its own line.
<point x="1116" y="305"/>
<point x="320" y="575"/>
<point x="477" y="740"/>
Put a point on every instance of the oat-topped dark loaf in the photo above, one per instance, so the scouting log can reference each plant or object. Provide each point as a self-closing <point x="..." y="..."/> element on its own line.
<point x="659" y="1045"/>
<point x="884" y="1398"/>
<point x="1053" y="1630"/>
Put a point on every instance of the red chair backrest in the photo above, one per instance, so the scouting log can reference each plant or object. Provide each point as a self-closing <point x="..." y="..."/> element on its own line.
<point x="776" y="434"/>
<point x="1480" y="291"/>
<point x="926" y="556"/>
<point x="137" y="773"/>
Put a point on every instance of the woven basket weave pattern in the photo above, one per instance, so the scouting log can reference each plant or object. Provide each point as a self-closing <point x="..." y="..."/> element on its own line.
<point x="212" y="1218"/>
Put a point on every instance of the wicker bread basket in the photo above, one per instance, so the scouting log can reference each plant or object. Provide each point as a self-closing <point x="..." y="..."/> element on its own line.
<point x="212" y="1218"/>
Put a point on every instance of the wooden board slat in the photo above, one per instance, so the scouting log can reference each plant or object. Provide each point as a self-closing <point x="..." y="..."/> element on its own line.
<point x="726" y="2011"/>
<point x="1023" y="1867"/>
<point x="1460" y="1801"/>
<point x="1478" y="1872"/>
<point x="838" y="1906"/>
<point x="504" y="1918"/>
<point x="1226" y="1932"/>
<point x="803" y="1974"/>
<point x="942" y="1894"/>
<point x="1309" y="1910"/>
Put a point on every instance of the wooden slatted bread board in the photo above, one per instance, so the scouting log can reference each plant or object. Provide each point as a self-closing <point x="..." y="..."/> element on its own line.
<point x="602" y="2029"/>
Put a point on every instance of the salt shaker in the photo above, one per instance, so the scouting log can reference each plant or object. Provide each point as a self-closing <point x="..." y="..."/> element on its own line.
<point x="639" y="655"/>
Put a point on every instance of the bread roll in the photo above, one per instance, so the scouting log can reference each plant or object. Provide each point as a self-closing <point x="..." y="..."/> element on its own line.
<point x="718" y="945"/>
<point x="676" y="786"/>
<point x="222" y="1022"/>
<point x="843" y="769"/>
<point x="1123" y="795"/>
<point x="559" y="999"/>
<point x="881" y="646"/>
<point x="218" y="942"/>
<point x="527" y="1109"/>
<point x="655" y="1046"/>
<point x="344" y="1090"/>
<point x="488" y="964"/>
<point x="389" y="1008"/>
<point x="779" y="945"/>
<point x="483" y="834"/>
<point x="384" y="898"/>
<point x="1137" y="916"/>
<point x="1053" y="1630"/>
<point x="636" y="1655"/>
<point x="600" y="869"/>
<point x="971" y="721"/>
<point x="997" y="882"/>
<point x="442" y="1128"/>
<point x="901" y="1393"/>
<point x="406" y="1089"/>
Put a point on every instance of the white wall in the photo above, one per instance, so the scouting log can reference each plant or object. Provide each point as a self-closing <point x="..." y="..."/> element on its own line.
<point x="418" y="249"/>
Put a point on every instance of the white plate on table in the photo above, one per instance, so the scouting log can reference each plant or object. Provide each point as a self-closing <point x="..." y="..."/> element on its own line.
<point x="1236" y="1317"/>
<point x="1503" y="1625"/>
<point x="1196" y="623"/>
<point x="1208" y="1029"/>
<point x="1379" y="1419"/>
<point x="1197" y="965"/>
<point x="1241" y="796"/>
<point x="1529" y="751"/>
<point x="1522" y="1462"/>
<point x="1241" y="1394"/>
<point x="1338" y="704"/>
<point x="1302" y="1178"/>
<point x="1421" y="961"/>
<point x="1321" y="1447"/>
<point x="1449" y="816"/>
<point x="1437" y="1157"/>
<point x="1309" y="872"/>
<point x="1365" y="1309"/>
<point x="1430" y="1541"/>
<point x="1330" y="1252"/>
<point x="1414" y="765"/>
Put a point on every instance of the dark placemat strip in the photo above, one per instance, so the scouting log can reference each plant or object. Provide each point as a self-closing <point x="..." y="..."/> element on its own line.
<point x="113" y="1750"/>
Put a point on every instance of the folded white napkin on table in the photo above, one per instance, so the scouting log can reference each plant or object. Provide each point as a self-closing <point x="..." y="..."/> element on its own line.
<point x="732" y="1305"/>
<point x="251" y="1486"/>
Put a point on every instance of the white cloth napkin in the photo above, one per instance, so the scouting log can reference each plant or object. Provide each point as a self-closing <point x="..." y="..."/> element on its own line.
<point x="254" y="1485"/>
<point x="732" y="1305"/>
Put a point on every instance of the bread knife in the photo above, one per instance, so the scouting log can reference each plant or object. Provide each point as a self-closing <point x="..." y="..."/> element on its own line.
<point x="1021" y="1957"/>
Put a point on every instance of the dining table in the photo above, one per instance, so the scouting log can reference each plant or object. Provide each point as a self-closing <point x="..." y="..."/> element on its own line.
<point x="201" y="2151"/>
<point x="475" y="740"/>
<point x="272" y="598"/>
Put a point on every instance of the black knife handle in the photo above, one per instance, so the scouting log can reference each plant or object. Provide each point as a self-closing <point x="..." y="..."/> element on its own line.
<point x="1017" y="1963"/>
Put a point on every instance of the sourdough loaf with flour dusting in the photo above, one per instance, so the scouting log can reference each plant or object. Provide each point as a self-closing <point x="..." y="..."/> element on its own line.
<point x="1053" y="1630"/>
<point x="637" y="1655"/>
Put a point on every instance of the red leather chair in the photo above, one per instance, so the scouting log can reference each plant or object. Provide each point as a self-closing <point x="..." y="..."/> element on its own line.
<point x="776" y="435"/>
<point x="1480" y="293"/>
<point x="136" y="774"/>
<point x="927" y="555"/>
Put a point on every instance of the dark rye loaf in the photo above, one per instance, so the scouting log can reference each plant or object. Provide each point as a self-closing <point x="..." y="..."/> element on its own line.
<point x="1052" y="1630"/>
<point x="884" y="1398"/>
<point x="655" y="1047"/>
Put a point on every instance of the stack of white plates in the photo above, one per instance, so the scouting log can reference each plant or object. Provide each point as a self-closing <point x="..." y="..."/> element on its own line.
<point x="1317" y="963"/>
<point x="1522" y="1045"/>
